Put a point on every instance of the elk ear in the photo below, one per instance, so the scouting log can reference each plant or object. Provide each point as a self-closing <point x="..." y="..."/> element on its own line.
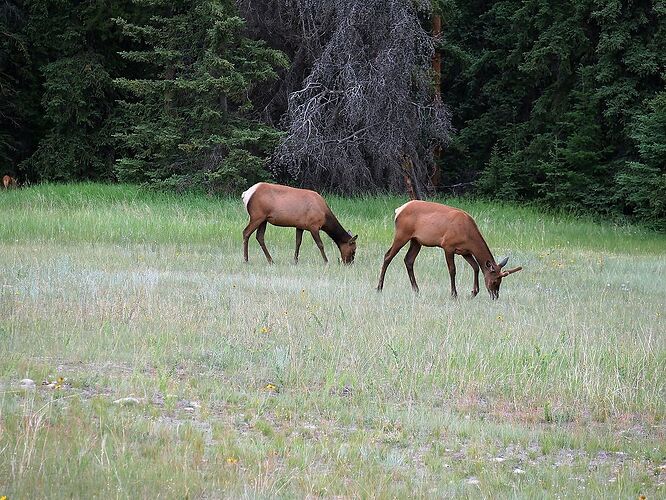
<point x="503" y="262"/>
<point x="353" y="240"/>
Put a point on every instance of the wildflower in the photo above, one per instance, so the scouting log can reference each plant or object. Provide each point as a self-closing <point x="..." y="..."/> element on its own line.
<point x="500" y="317"/>
<point x="264" y="329"/>
<point x="271" y="388"/>
<point x="230" y="460"/>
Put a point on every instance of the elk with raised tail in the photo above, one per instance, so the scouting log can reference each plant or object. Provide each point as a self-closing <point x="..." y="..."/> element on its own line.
<point x="291" y="207"/>
<point x="430" y="224"/>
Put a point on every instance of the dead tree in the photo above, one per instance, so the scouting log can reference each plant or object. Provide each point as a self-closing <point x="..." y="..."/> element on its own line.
<point x="360" y="102"/>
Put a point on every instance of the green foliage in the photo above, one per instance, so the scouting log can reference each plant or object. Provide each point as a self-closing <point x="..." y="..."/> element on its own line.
<point x="547" y="97"/>
<point x="13" y="57"/>
<point x="69" y="89"/>
<point x="643" y="183"/>
<point x="560" y="103"/>
<point x="186" y="123"/>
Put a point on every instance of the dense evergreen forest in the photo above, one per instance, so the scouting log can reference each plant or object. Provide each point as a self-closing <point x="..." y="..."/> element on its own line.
<point x="562" y="103"/>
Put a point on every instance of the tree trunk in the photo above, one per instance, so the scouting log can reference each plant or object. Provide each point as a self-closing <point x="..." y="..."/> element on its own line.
<point x="436" y="176"/>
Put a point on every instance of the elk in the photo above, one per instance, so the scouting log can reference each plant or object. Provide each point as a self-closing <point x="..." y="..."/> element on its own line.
<point x="8" y="182"/>
<point x="291" y="207"/>
<point x="430" y="224"/>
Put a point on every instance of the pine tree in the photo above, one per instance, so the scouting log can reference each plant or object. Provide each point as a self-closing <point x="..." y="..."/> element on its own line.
<point x="642" y="183"/>
<point x="186" y="123"/>
<point x="548" y="96"/>
<point x="13" y="58"/>
<point x="68" y="91"/>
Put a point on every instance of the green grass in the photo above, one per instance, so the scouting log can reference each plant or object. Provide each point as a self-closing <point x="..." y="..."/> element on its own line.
<point x="555" y="389"/>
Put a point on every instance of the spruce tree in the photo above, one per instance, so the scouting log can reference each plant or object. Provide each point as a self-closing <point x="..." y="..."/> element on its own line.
<point x="187" y="123"/>
<point x="67" y="95"/>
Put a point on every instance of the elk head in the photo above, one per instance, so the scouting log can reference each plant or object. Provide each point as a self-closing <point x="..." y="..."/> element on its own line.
<point x="494" y="274"/>
<point x="348" y="250"/>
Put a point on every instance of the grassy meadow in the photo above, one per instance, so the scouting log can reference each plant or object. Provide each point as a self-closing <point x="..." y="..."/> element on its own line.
<point x="252" y="380"/>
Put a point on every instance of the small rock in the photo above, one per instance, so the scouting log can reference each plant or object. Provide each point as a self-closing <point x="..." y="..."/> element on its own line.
<point x="27" y="383"/>
<point x="518" y="471"/>
<point x="499" y="459"/>
<point x="472" y="480"/>
<point x="128" y="401"/>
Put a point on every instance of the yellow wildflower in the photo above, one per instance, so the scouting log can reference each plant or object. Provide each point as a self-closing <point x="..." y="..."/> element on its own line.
<point x="264" y="329"/>
<point x="230" y="460"/>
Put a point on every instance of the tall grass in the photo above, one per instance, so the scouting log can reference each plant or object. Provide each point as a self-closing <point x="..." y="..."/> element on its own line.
<point x="285" y="380"/>
<point x="128" y="214"/>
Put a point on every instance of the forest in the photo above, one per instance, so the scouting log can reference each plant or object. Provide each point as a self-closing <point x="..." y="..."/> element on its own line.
<point x="561" y="103"/>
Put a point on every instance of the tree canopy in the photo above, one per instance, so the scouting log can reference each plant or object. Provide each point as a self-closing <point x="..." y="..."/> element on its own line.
<point x="557" y="103"/>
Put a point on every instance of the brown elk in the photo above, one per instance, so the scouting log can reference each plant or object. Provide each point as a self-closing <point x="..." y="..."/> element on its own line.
<point x="9" y="182"/>
<point x="434" y="225"/>
<point x="290" y="207"/>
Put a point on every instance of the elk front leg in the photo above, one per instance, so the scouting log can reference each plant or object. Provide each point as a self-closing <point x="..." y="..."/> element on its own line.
<point x="475" y="265"/>
<point x="388" y="257"/>
<point x="452" y="272"/>
<point x="320" y="245"/>
<point x="299" y="239"/>
<point x="260" y="239"/>
<point x="414" y="249"/>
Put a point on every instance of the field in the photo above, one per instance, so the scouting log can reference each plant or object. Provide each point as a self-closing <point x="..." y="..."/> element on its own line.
<point x="301" y="380"/>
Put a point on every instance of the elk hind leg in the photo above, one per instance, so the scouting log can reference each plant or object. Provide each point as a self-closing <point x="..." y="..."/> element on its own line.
<point x="388" y="257"/>
<point x="247" y="232"/>
<point x="260" y="238"/>
<point x="410" y="257"/>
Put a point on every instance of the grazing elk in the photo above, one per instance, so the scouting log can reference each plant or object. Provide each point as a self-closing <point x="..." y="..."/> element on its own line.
<point x="434" y="225"/>
<point x="8" y="182"/>
<point x="290" y="207"/>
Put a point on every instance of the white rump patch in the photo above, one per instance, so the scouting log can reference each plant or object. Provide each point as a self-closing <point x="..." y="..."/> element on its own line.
<point x="399" y="209"/>
<point x="248" y="194"/>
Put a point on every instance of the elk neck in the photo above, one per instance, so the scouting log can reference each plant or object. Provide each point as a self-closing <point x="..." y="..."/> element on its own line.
<point x="335" y="230"/>
<point x="481" y="252"/>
